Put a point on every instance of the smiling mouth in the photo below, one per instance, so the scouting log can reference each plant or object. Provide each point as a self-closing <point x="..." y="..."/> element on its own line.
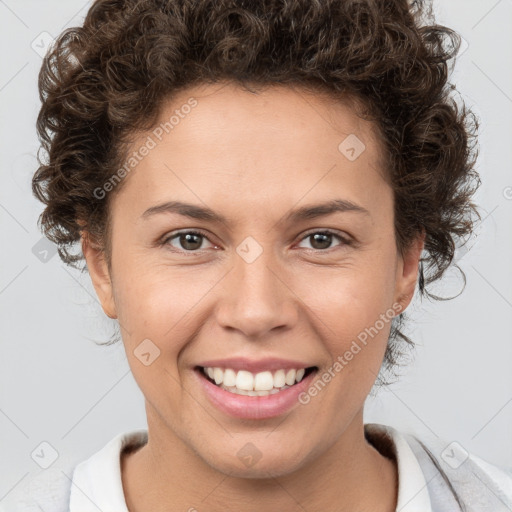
<point x="264" y="383"/>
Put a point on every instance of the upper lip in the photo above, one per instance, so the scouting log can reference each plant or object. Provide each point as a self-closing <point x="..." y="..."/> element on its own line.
<point x="255" y="365"/>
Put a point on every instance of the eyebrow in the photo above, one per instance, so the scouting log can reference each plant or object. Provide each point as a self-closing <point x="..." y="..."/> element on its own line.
<point x="303" y="213"/>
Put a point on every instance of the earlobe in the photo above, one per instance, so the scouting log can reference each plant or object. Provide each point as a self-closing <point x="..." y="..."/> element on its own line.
<point x="100" y="275"/>
<point x="407" y="272"/>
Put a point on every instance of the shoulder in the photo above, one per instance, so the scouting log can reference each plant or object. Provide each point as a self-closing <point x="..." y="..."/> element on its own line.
<point x="58" y="487"/>
<point x="451" y="469"/>
<point x="48" y="490"/>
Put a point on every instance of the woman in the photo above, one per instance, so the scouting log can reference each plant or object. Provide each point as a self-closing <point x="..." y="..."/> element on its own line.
<point x="257" y="187"/>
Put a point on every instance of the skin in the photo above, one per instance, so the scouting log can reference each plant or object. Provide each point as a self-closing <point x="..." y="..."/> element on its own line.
<point x="254" y="158"/>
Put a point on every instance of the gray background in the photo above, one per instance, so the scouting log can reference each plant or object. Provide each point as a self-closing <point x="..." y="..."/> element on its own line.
<point x="57" y="386"/>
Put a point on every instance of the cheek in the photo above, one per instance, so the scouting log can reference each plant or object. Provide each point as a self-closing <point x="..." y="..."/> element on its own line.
<point x="352" y="309"/>
<point x="160" y="303"/>
<point x="349" y="298"/>
<point x="353" y="315"/>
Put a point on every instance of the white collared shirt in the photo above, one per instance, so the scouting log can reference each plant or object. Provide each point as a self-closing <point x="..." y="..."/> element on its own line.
<point x="95" y="484"/>
<point x="97" y="480"/>
<point x="413" y="495"/>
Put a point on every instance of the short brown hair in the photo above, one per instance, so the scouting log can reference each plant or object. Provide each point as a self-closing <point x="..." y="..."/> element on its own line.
<point x="108" y="78"/>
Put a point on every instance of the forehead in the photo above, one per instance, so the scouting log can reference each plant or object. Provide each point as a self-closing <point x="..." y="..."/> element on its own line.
<point x="274" y="113"/>
<point x="219" y="143"/>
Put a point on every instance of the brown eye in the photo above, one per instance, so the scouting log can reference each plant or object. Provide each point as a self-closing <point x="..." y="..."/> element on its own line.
<point x="321" y="240"/>
<point x="188" y="241"/>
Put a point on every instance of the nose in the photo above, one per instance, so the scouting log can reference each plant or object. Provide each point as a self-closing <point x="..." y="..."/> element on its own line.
<point x="256" y="298"/>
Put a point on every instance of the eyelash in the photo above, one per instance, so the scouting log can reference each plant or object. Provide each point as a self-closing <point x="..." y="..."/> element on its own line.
<point x="344" y="241"/>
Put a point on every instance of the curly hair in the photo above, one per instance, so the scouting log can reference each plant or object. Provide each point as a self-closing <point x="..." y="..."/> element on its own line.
<point x="105" y="80"/>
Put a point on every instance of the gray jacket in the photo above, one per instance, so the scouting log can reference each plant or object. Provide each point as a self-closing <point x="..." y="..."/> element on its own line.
<point x="456" y="482"/>
<point x="468" y="484"/>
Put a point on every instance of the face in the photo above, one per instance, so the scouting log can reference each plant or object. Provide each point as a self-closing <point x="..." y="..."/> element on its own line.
<point x="264" y="281"/>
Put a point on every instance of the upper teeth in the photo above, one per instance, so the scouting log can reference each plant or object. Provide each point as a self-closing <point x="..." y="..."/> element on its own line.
<point x="247" y="381"/>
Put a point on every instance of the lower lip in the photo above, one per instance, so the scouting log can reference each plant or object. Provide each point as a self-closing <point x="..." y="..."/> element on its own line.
<point x="254" y="407"/>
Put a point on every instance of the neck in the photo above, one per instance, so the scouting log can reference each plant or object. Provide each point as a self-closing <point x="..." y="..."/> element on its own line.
<point x="351" y="475"/>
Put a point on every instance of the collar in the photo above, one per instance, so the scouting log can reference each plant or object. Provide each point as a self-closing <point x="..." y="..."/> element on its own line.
<point x="97" y="485"/>
<point x="413" y="495"/>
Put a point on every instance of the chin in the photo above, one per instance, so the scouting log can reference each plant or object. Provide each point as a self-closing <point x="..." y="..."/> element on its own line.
<point x="277" y="466"/>
<point x="246" y="460"/>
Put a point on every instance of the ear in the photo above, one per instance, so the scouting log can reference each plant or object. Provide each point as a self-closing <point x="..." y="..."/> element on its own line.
<point x="407" y="272"/>
<point x="100" y="275"/>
